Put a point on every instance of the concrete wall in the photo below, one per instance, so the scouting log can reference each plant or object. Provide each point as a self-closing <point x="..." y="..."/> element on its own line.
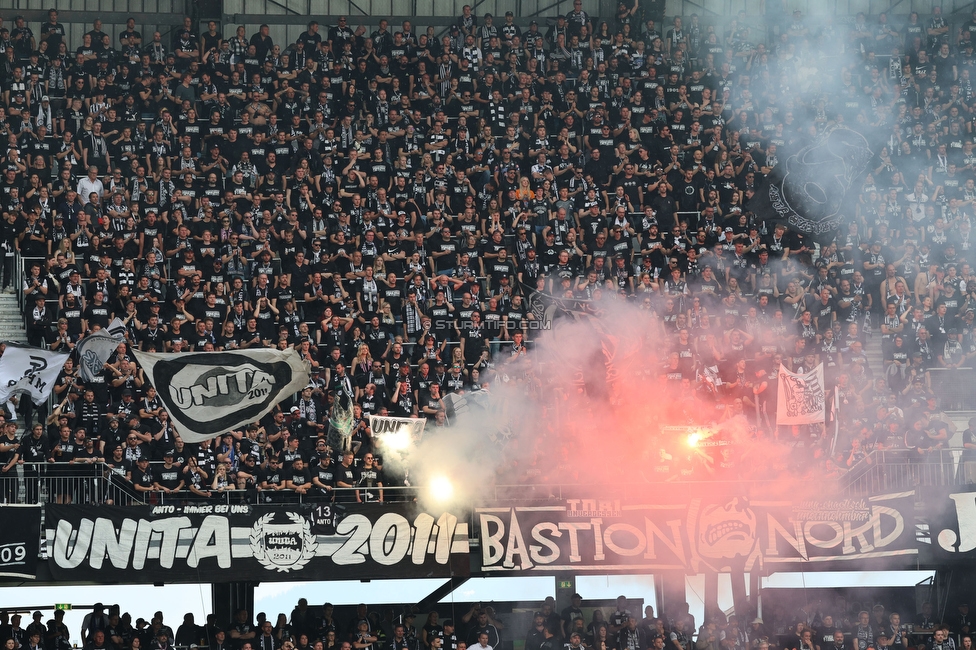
<point x="287" y="18"/>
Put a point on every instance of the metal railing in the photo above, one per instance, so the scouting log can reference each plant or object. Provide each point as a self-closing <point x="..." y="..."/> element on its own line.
<point x="62" y="483"/>
<point x="907" y="469"/>
<point x="92" y="483"/>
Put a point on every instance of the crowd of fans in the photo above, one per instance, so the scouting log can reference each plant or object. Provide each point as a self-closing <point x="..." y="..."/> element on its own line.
<point x="837" y="625"/>
<point x="409" y="210"/>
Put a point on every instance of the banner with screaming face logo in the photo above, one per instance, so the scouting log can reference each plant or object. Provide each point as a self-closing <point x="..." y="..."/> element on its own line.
<point x="587" y="535"/>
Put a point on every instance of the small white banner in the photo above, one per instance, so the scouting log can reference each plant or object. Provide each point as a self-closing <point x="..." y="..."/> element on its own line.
<point x="801" y="397"/>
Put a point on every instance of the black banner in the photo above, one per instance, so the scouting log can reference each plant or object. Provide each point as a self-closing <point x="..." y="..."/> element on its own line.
<point x="701" y="535"/>
<point x="215" y="542"/>
<point x="807" y="190"/>
<point x="946" y="532"/>
<point x="209" y="393"/>
<point x="20" y="540"/>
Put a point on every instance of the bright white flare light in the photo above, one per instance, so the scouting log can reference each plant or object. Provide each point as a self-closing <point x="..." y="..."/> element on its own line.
<point x="693" y="439"/>
<point x="441" y="489"/>
<point x="398" y="440"/>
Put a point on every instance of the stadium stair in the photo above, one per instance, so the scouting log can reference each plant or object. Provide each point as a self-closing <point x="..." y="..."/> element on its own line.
<point x="11" y="321"/>
<point x="959" y="418"/>
<point x="872" y="350"/>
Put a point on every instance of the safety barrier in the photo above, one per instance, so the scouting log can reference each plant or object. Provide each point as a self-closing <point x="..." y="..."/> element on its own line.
<point x="907" y="469"/>
<point x="62" y="483"/>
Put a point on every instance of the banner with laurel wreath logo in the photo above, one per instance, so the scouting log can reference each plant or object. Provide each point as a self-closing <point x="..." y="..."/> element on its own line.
<point x="220" y="542"/>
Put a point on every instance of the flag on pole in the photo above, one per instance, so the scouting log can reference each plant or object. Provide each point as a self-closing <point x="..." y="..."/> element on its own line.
<point x="801" y="398"/>
<point x="210" y="393"/>
<point x="94" y="351"/>
<point x="26" y="369"/>
<point x="116" y="327"/>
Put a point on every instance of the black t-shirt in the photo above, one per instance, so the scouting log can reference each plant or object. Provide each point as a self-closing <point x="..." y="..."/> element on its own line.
<point x="33" y="450"/>
<point x="271" y="476"/>
<point x="403" y="406"/>
<point x="99" y="314"/>
<point x="143" y="478"/>
<point x="474" y="342"/>
<point x="968" y="438"/>
<point x="368" y="479"/>
<point x="325" y="472"/>
<point x="348" y="476"/>
<point x="168" y="477"/>
<point x="300" y="477"/>
<point x="55" y="34"/>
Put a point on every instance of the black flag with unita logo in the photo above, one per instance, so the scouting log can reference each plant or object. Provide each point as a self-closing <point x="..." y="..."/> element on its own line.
<point x="209" y="393"/>
<point x="807" y="192"/>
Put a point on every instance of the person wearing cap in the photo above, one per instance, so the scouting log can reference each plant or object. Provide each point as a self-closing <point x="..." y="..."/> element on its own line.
<point x="43" y="116"/>
<point x="161" y="640"/>
<point x="94" y="620"/>
<point x="570" y="614"/>
<point x="757" y="629"/>
<point x="952" y="354"/>
<point x="141" y="475"/>
<point x="39" y="321"/>
<point x="509" y="29"/>
<point x="560" y="28"/>
<point x="487" y="31"/>
<point x="168" y="477"/>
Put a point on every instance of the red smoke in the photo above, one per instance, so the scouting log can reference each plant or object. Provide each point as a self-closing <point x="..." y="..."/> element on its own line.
<point x="591" y="413"/>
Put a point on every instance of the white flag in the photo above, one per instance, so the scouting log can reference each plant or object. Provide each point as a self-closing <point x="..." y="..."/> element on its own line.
<point x="25" y="369"/>
<point x="800" y="399"/>
<point x="116" y="327"/>
<point x="210" y="393"/>
<point x="94" y="350"/>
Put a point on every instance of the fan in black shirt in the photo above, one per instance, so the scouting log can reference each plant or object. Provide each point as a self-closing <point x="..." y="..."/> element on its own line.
<point x="346" y="477"/>
<point x="141" y="476"/>
<point x="370" y="479"/>
<point x="272" y="478"/>
<point x="168" y="477"/>
<point x="300" y="479"/>
<point x="325" y="470"/>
